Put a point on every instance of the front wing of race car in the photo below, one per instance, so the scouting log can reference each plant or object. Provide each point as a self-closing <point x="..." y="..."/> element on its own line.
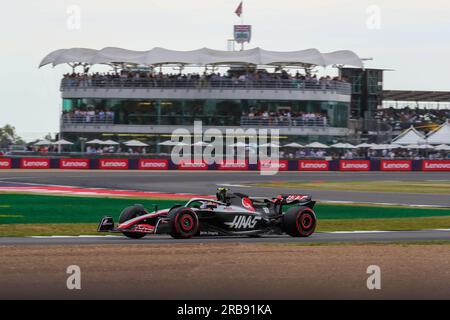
<point x="107" y="225"/>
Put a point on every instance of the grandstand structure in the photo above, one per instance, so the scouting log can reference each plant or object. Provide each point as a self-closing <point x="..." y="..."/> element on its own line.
<point x="137" y="100"/>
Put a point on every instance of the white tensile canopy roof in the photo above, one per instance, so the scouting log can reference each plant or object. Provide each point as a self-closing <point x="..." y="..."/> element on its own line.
<point x="441" y="135"/>
<point x="62" y="142"/>
<point x="409" y="136"/>
<point x="135" y="143"/>
<point x="201" y="57"/>
<point x="293" y="145"/>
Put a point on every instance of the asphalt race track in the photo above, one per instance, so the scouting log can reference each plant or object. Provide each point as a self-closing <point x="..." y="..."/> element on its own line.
<point x="206" y="183"/>
<point x="319" y="237"/>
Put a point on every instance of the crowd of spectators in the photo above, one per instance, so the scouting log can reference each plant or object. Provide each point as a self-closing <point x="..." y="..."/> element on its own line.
<point x="256" y="78"/>
<point x="403" y="118"/>
<point x="284" y="118"/>
<point x="89" y="115"/>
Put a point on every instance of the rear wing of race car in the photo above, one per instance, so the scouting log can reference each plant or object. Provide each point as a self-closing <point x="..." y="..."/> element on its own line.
<point x="302" y="199"/>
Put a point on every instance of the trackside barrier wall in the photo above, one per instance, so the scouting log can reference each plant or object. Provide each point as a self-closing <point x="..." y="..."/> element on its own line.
<point x="402" y="165"/>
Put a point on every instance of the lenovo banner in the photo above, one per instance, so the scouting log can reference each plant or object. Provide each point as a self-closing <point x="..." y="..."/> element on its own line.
<point x="5" y="163"/>
<point x="153" y="164"/>
<point x="188" y="165"/>
<point x="74" y="164"/>
<point x="354" y="165"/>
<point x="280" y="165"/>
<point x="233" y="165"/>
<point x="396" y="165"/>
<point x="436" y="165"/>
<point x="113" y="164"/>
<point x="313" y="165"/>
<point x="34" y="163"/>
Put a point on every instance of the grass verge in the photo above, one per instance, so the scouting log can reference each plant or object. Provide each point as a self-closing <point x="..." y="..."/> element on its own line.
<point x="429" y="187"/>
<point x="326" y="225"/>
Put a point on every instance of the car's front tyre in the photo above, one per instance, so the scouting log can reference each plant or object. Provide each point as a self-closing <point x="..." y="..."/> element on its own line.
<point x="184" y="223"/>
<point x="131" y="213"/>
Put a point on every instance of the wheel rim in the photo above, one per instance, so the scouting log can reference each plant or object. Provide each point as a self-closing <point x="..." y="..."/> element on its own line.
<point x="306" y="221"/>
<point x="186" y="222"/>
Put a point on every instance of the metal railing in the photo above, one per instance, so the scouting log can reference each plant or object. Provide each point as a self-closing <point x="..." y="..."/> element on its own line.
<point x="142" y="119"/>
<point x="224" y="83"/>
<point x="68" y="118"/>
<point x="283" y="122"/>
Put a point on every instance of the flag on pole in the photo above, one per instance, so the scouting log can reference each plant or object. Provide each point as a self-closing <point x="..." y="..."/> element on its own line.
<point x="239" y="10"/>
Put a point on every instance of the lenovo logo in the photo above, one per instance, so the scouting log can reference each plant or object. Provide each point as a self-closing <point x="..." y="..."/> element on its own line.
<point x="396" y="165"/>
<point x="153" y="164"/>
<point x="113" y="164"/>
<point x="35" y="163"/>
<point x="354" y="165"/>
<point x="313" y="165"/>
<point x="74" y="164"/>
<point x="436" y="165"/>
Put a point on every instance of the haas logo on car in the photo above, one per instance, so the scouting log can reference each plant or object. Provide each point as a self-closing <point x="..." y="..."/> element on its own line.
<point x="293" y="198"/>
<point x="244" y="222"/>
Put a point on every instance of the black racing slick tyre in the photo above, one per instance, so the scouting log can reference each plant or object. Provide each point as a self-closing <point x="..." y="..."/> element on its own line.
<point x="184" y="223"/>
<point x="131" y="213"/>
<point x="299" y="222"/>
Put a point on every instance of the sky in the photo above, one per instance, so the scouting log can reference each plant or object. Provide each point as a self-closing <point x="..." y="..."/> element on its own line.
<point x="409" y="36"/>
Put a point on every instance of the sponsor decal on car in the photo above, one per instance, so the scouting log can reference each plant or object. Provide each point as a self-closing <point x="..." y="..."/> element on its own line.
<point x="191" y="165"/>
<point x="34" y="163"/>
<point x="5" y="163"/>
<point x="243" y="222"/>
<point x="74" y="164"/>
<point x="436" y="165"/>
<point x="354" y="165"/>
<point x="295" y="197"/>
<point x="233" y="165"/>
<point x="153" y="164"/>
<point x="280" y="165"/>
<point x="313" y="165"/>
<point x="113" y="164"/>
<point x="396" y="165"/>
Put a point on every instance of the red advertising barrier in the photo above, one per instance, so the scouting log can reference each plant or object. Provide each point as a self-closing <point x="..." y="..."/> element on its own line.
<point x="233" y="165"/>
<point x="396" y="165"/>
<point x="113" y="164"/>
<point x="35" y="163"/>
<point x="189" y="165"/>
<point x="436" y="165"/>
<point x="354" y="165"/>
<point x="313" y="165"/>
<point x="5" y="163"/>
<point x="74" y="164"/>
<point x="282" y="165"/>
<point x="153" y="164"/>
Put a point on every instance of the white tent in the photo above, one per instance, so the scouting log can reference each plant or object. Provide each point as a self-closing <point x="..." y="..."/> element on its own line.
<point x="317" y="145"/>
<point x="201" y="57"/>
<point x="419" y="146"/>
<point x="343" y="146"/>
<point x="62" y="142"/>
<point x="441" y="135"/>
<point x="384" y="146"/>
<point x="269" y="145"/>
<point x="43" y="142"/>
<point x="109" y="143"/>
<point x="293" y="145"/>
<point x="135" y="143"/>
<point x="409" y="136"/>
<point x="200" y="143"/>
<point x="95" y="141"/>
<point x="442" y="147"/>
<point x="238" y="145"/>
<point x="171" y="143"/>
<point x="365" y="145"/>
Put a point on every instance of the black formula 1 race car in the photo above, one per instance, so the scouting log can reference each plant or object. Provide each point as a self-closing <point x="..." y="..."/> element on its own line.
<point x="230" y="214"/>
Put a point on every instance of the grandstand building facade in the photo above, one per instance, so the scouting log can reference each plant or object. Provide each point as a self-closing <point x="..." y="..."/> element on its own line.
<point x="138" y="101"/>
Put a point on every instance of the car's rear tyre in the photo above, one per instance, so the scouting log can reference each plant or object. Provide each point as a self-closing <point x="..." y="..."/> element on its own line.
<point x="131" y="213"/>
<point x="299" y="222"/>
<point x="184" y="223"/>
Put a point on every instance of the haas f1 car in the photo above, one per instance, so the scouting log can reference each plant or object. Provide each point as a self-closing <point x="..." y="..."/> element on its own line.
<point x="230" y="214"/>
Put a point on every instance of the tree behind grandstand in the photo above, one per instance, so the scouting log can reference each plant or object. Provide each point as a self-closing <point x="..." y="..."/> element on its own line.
<point x="9" y="136"/>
